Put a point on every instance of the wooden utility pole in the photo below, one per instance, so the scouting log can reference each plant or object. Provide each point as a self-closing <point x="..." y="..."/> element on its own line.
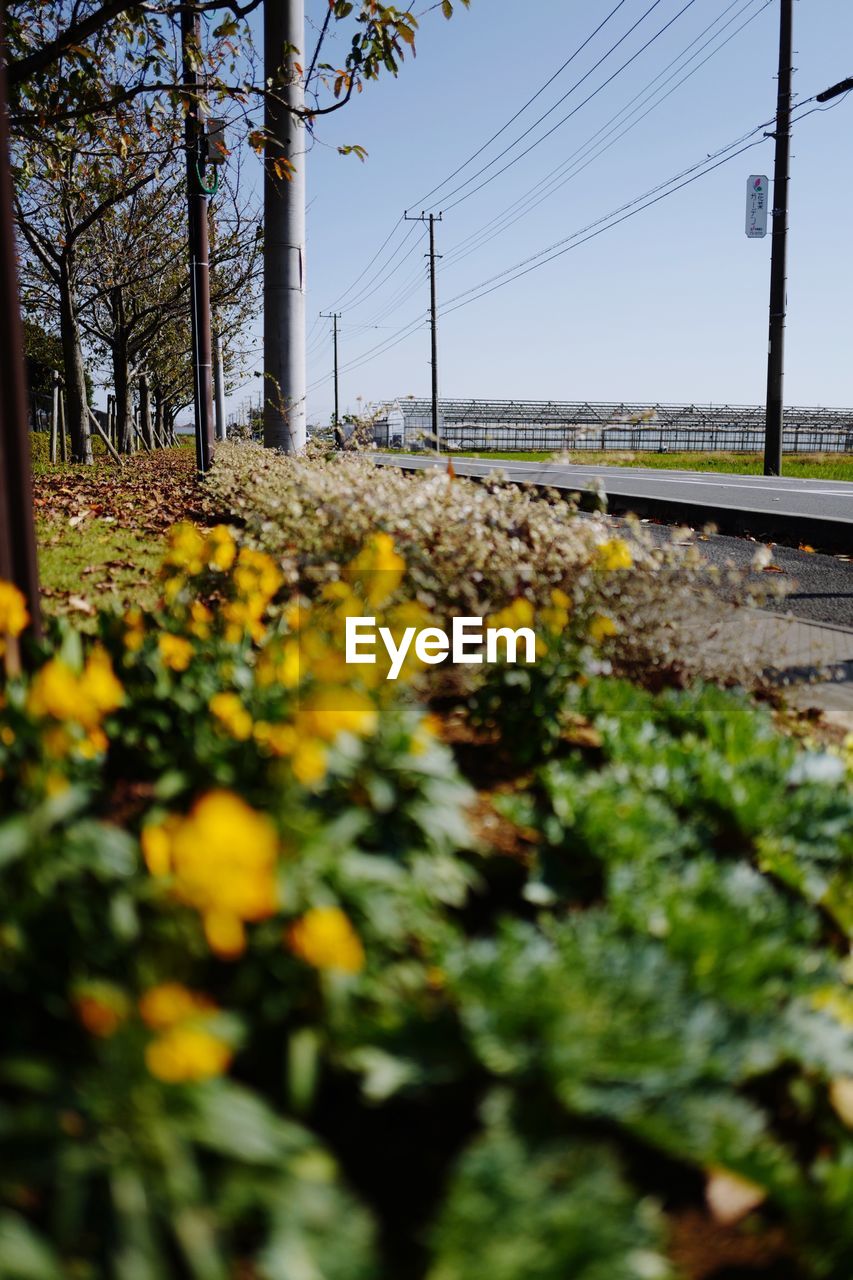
<point x="779" y="251"/>
<point x="432" y="218"/>
<point x="196" y="149"/>
<point x="18" y="563"/>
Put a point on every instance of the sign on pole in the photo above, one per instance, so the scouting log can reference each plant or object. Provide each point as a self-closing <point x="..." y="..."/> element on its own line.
<point x="756" y="206"/>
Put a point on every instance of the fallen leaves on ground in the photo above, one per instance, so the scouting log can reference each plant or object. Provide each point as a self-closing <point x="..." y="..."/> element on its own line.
<point x="147" y="496"/>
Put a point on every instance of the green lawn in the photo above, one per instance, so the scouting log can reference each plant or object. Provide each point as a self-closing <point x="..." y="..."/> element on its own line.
<point x="818" y="466"/>
<point x="95" y="565"/>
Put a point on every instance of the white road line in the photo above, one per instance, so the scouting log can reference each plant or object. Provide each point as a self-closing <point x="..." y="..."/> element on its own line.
<point x="654" y="476"/>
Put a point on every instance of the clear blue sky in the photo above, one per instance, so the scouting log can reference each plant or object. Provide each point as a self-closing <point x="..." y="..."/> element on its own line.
<point x="672" y="304"/>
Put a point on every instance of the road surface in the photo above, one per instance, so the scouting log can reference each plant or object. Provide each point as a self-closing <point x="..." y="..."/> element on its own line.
<point x="818" y="512"/>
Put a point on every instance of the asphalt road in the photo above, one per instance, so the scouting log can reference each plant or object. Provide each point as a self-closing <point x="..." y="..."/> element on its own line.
<point x="829" y="500"/>
<point x="820" y="587"/>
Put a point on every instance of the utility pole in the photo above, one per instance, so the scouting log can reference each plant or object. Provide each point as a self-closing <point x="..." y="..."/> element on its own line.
<point x="433" y="316"/>
<point x="18" y="562"/>
<point x="284" y="227"/>
<point x="335" y="316"/>
<point x="779" y="251"/>
<point x="219" y="388"/>
<point x="196" y="149"/>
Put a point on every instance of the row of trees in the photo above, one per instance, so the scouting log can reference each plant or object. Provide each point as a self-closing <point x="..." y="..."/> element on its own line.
<point x="101" y="217"/>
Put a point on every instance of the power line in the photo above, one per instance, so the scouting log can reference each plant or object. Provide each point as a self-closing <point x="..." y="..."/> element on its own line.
<point x="381" y="248"/>
<point x="548" y="254"/>
<point x="521" y="110"/>
<point x="378" y="280"/>
<point x="558" y="177"/>
<point x="572" y="113"/>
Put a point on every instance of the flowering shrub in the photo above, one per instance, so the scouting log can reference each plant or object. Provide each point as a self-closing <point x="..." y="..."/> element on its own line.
<point x="284" y="997"/>
<point x="475" y="548"/>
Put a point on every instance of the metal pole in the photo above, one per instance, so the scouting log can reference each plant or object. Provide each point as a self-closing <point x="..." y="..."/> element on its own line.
<point x="434" y="333"/>
<point x="337" y="396"/>
<point x="433" y="314"/>
<point x="335" y="317"/>
<point x="198" y="244"/>
<point x="779" y="252"/>
<point x="54" y="420"/>
<point x="63" y="448"/>
<point x="219" y="388"/>
<point x="18" y="562"/>
<point x="284" y="389"/>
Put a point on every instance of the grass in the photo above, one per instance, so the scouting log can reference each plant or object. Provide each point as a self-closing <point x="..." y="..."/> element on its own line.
<point x="816" y="466"/>
<point x="101" y="529"/>
<point x="95" y="564"/>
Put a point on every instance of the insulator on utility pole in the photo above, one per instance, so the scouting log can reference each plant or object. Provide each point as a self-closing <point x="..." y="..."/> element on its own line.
<point x="284" y="390"/>
<point x="431" y="219"/>
<point x="843" y="86"/>
<point x="779" y="250"/>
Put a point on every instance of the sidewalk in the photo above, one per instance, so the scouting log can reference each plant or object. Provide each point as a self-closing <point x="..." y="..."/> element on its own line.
<point x="812" y="661"/>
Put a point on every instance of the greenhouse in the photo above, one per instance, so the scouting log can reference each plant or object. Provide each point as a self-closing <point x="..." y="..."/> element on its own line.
<point x="533" y="425"/>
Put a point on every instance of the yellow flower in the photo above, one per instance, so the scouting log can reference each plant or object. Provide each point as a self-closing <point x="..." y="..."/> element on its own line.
<point x="613" y="554"/>
<point x="101" y="1008"/>
<point x="515" y="615"/>
<point x="175" y="651"/>
<point x="309" y="762"/>
<point x="186" y="549"/>
<point x="99" y="689"/>
<point x="13" y="610"/>
<point x="134" y="635"/>
<point x="58" y="692"/>
<point x="54" y="691"/>
<point x="601" y="628"/>
<point x="220" y="550"/>
<point x="232" y="715"/>
<point x="156" y="841"/>
<point x="377" y="568"/>
<point x="256" y="574"/>
<point x="166" y="1005"/>
<point x="329" y="712"/>
<point x="241" y="616"/>
<point x="187" y="1053"/>
<point x="185" y="1048"/>
<point x="200" y="620"/>
<point x="277" y="739"/>
<point x="324" y="938"/>
<point x="555" y="617"/>
<point x="223" y="859"/>
<point x="279" y="666"/>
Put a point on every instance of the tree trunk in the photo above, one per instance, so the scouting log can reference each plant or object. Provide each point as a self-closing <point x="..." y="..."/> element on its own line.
<point x="121" y="377"/>
<point x="76" y="397"/>
<point x="145" y="425"/>
<point x="159" y="429"/>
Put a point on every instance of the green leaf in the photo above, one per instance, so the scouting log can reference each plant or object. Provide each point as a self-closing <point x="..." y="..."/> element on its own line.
<point x="23" y="1255"/>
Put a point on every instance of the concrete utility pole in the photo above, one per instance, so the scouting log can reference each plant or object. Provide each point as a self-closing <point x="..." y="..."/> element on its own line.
<point x="196" y="149"/>
<point x="433" y="318"/>
<point x="18" y="561"/>
<point x="779" y="251"/>
<point x="284" y="229"/>
<point x="335" y="316"/>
